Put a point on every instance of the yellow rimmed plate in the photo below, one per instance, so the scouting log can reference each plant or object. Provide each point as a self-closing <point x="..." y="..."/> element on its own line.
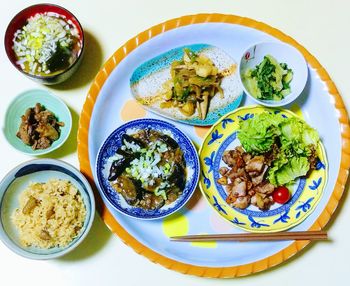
<point x="306" y="191"/>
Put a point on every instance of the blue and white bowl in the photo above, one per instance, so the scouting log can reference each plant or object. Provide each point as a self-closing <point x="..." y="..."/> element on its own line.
<point x="114" y="141"/>
<point x="40" y="170"/>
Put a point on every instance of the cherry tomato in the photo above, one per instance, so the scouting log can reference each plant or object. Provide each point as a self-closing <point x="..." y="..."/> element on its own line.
<point x="281" y="195"/>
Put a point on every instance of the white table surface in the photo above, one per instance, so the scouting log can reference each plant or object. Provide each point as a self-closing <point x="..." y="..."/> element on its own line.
<point x="322" y="26"/>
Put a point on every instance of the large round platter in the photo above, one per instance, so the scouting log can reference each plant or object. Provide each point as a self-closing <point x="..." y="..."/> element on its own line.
<point x="109" y="104"/>
<point x="306" y="192"/>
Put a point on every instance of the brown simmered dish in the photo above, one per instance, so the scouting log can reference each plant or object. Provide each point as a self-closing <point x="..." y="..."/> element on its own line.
<point x="148" y="170"/>
<point x="39" y="127"/>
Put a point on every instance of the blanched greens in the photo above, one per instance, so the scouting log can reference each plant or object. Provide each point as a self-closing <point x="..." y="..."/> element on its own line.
<point x="269" y="80"/>
<point x="290" y="142"/>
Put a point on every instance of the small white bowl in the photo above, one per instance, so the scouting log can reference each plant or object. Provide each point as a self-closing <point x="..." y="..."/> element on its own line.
<point x="283" y="53"/>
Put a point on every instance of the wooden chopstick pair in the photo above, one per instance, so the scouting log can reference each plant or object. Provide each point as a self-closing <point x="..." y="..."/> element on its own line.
<point x="292" y="235"/>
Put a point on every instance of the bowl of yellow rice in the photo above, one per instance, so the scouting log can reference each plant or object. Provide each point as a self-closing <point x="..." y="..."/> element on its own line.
<point x="47" y="209"/>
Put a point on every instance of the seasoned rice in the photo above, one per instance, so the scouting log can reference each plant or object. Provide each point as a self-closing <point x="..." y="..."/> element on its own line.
<point x="50" y="214"/>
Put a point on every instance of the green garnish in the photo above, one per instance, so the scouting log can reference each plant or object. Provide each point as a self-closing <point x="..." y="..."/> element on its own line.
<point x="294" y="141"/>
<point x="46" y="44"/>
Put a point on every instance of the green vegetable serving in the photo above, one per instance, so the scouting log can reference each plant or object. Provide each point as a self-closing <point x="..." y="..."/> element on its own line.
<point x="196" y="80"/>
<point x="289" y="143"/>
<point x="269" y="80"/>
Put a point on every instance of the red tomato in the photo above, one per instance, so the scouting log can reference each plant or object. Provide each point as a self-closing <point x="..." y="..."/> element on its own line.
<point x="281" y="195"/>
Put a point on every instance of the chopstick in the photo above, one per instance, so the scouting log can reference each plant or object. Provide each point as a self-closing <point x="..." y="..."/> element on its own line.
<point x="291" y="235"/>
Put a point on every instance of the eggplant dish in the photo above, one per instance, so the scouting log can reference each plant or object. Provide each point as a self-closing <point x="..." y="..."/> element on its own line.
<point x="148" y="170"/>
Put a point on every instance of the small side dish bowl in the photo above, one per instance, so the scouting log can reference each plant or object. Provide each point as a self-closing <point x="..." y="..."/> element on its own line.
<point x="111" y="148"/>
<point x="40" y="170"/>
<point x="283" y="53"/>
<point x="21" y="19"/>
<point x="26" y="100"/>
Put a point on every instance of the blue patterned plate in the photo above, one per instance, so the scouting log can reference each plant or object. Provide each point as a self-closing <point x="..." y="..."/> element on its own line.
<point x="114" y="141"/>
<point x="306" y="191"/>
<point x="148" y="79"/>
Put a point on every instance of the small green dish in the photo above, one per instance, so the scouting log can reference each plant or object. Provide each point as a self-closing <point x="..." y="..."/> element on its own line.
<point x="28" y="99"/>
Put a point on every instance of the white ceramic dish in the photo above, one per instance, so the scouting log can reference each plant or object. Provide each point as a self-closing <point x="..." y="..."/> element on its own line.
<point x="283" y="53"/>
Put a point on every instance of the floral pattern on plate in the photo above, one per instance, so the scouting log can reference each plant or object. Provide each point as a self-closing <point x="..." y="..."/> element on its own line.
<point x="114" y="141"/>
<point x="306" y="191"/>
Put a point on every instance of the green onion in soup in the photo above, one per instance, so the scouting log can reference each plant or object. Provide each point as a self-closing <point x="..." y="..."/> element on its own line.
<point x="47" y="44"/>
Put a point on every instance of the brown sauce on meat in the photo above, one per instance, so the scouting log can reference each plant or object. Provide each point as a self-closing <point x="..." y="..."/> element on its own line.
<point x="39" y="127"/>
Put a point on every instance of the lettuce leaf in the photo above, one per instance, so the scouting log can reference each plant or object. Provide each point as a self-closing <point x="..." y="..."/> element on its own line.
<point x="285" y="171"/>
<point x="295" y="139"/>
<point x="257" y="134"/>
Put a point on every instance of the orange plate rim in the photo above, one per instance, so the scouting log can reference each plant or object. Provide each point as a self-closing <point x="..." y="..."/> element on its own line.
<point x="212" y="272"/>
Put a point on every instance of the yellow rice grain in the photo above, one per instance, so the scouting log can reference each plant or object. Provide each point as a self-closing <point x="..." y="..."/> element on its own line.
<point x="56" y="218"/>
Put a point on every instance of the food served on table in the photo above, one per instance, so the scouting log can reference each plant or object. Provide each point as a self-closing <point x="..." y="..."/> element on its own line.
<point x="148" y="170"/>
<point x="269" y="80"/>
<point x="39" y="127"/>
<point x="188" y="83"/>
<point x="47" y="44"/>
<point x="275" y="151"/>
<point x="50" y="214"/>
<point x="195" y="80"/>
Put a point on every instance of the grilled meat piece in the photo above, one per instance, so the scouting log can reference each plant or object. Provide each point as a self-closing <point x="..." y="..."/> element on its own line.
<point x="258" y="179"/>
<point x="239" y="189"/>
<point x="312" y="160"/>
<point x="255" y="165"/>
<point x="246" y="157"/>
<point x="265" y="188"/>
<point x="241" y="202"/>
<point x="234" y="174"/>
<point x="262" y="201"/>
<point x="222" y="181"/>
<point x="233" y="159"/>
<point x="223" y="171"/>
